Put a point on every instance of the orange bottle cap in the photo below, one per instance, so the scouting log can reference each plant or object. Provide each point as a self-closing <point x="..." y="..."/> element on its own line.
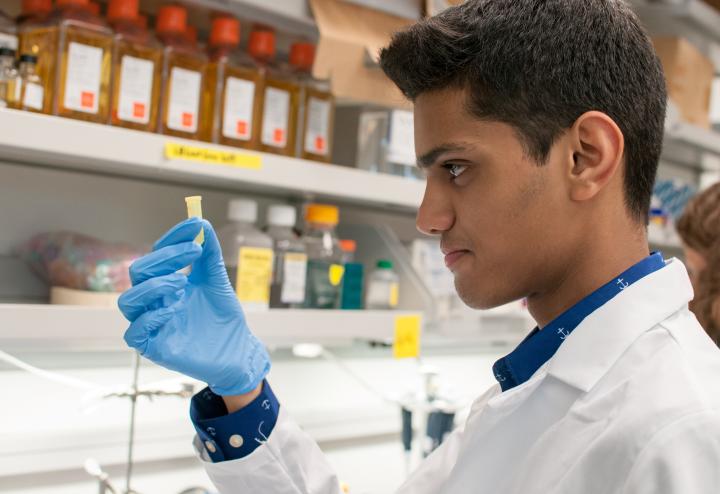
<point x="142" y="21"/>
<point x="73" y="3"/>
<point x="322" y="213"/>
<point x="123" y="9"/>
<point x="191" y="33"/>
<point x="36" y="6"/>
<point x="262" y="43"/>
<point x="225" y="31"/>
<point x="302" y="55"/>
<point x="348" y="245"/>
<point x="171" y="19"/>
<point x="94" y="7"/>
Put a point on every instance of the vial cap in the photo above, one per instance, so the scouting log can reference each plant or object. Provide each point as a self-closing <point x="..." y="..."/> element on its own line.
<point x="302" y="55"/>
<point x="322" y="213"/>
<point x="243" y="210"/>
<point x="281" y="215"/>
<point x="7" y="52"/>
<point x="94" y="7"/>
<point x="123" y="9"/>
<point x="225" y="31"/>
<point x="262" y="43"/>
<point x="28" y="58"/>
<point x="191" y="33"/>
<point x="348" y="245"/>
<point x="142" y="21"/>
<point x="73" y="3"/>
<point x="384" y="264"/>
<point x="171" y="19"/>
<point x="36" y="6"/>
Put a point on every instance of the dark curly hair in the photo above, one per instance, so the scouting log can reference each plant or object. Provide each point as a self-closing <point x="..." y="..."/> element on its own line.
<point x="699" y="228"/>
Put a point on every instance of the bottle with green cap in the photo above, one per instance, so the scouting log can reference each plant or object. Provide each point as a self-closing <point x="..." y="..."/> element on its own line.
<point x="383" y="289"/>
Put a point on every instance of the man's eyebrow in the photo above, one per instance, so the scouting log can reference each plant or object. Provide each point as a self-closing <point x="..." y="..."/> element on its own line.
<point x="429" y="158"/>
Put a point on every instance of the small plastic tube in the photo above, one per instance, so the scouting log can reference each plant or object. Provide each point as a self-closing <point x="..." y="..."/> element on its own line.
<point x="194" y="209"/>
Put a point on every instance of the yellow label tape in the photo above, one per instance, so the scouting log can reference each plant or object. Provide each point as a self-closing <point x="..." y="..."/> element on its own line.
<point x="174" y="151"/>
<point x="407" y="337"/>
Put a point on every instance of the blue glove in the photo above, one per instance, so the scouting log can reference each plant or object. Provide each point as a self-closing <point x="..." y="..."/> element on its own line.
<point x="192" y="324"/>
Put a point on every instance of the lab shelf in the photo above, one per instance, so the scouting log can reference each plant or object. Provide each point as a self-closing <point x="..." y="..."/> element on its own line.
<point x="687" y="144"/>
<point x="37" y="327"/>
<point x="49" y="141"/>
<point x="680" y="16"/>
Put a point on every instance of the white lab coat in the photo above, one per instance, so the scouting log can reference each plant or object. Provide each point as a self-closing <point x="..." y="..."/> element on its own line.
<point x="629" y="404"/>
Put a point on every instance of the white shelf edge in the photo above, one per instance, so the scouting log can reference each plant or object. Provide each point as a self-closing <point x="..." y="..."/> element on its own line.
<point x="37" y="327"/>
<point x="70" y="144"/>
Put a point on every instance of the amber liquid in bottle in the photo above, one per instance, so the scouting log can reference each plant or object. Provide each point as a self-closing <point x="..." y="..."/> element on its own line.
<point x="277" y="120"/>
<point x="137" y="76"/>
<point x="184" y="69"/>
<point x="41" y="40"/>
<point x="316" y="118"/>
<point x="232" y="103"/>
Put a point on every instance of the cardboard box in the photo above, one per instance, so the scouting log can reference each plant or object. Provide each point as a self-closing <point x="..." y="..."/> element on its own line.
<point x="351" y="37"/>
<point x="689" y="76"/>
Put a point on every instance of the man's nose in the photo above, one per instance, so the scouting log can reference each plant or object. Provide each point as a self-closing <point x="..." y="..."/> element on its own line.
<point x="435" y="214"/>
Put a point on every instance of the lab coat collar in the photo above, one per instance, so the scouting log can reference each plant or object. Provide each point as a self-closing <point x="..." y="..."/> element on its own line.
<point x="599" y="341"/>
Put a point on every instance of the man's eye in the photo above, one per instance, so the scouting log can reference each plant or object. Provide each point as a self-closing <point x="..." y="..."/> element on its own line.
<point x="454" y="169"/>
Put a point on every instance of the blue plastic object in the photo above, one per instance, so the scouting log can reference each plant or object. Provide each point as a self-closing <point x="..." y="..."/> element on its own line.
<point x="192" y="324"/>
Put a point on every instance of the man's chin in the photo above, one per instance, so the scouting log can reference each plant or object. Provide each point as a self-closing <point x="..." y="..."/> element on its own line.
<point x="479" y="297"/>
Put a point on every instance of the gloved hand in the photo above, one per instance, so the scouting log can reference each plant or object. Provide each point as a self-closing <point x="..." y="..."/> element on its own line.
<point x="192" y="324"/>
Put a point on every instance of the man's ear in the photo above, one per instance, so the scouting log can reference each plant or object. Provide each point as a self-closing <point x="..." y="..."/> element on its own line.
<point x="598" y="147"/>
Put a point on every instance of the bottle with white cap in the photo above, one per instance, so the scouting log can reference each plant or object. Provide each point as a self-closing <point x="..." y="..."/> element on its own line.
<point x="288" y="284"/>
<point x="248" y="254"/>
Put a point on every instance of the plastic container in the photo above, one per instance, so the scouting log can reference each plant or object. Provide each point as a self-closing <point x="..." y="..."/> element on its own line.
<point x="231" y="92"/>
<point x="248" y="255"/>
<point x="136" y="73"/>
<point x="30" y="92"/>
<point x="8" y="32"/>
<point x="8" y="78"/>
<point x="383" y="290"/>
<point x="290" y="271"/>
<point x="317" y="107"/>
<point x="325" y="269"/>
<point x="279" y="98"/>
<point x="74" y="49"/>
<point x="182" y="76"/>
<point x="34" y="11"/>
<point x="351" y="294"/>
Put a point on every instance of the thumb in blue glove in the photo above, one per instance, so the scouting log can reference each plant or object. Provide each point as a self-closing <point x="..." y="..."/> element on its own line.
<point x="192" y="324"/>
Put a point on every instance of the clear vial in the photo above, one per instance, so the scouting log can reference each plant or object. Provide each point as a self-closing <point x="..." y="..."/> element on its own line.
<point x="8" y="77"/>
<point x="325" y="269"/>
<point x="290" y="271"/>
<point x="383" y="290"/>
<point x="248" y="254"/>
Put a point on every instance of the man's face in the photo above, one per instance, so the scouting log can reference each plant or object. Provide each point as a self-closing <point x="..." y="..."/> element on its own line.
<point x="505" y="222"/>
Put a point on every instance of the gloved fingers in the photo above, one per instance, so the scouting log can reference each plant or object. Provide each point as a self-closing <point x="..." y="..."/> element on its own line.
<point x="164" y="261"/>
<point x="185" y="231"/>
<point x="144" y="329"/>
<point x="210" y="267"/>
<point x="151" y="294"/>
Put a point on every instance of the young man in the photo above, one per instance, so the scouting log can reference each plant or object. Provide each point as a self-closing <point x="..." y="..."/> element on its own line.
<point x="540" y="124"/>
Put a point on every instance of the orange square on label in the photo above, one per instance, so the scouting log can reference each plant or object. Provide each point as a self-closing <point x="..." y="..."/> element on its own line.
<point x="187" y="119"/>
<point x="87" y="99"/>
<point x="138" y="110"/>
<point x="320" y="143"/>
<point x="242" y="128"/>
<point x="279" y="135"/>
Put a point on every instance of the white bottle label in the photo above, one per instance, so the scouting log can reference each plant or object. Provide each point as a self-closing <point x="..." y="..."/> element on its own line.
<point x="33" y="96"/>
<point x="317" y="133"/>
<point x="238" y="108"/>
<point x="135" y="92"/>
<point x="8" y="41"/>
<point x="82" y="78"/>
<point x="17" y="85"/>
<point x="401" y="146"/>
<point x="294" y="276"/>
<point x="184" y="100"/>
<point x="276" y="113"/>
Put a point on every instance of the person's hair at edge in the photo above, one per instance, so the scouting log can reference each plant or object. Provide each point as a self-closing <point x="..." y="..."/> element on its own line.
<point x="538" y="65"/>
<point x="699" y="228"/>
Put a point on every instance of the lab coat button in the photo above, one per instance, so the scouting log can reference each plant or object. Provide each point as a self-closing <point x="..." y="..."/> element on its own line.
<point x="210" y="446"/>
<point x="236" y="440"/>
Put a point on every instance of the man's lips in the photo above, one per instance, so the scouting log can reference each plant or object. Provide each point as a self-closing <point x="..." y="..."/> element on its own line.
<point x="453" y="256"/>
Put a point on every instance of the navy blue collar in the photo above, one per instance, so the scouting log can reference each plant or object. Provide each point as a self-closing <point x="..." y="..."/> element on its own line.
<point x="539" y="346"/>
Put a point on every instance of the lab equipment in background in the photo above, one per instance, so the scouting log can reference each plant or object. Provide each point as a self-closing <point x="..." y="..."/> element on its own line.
<point x="30" y="89"/>
<point x="194" y="210"/>
<point x="33" y="10"/>
<point x="232" y="89"/>
<point x="428" y="261"/>
<point x="383" y="289"/>
<point x="317" y="106"/>
<point x="8" y="32"/>
<point x="668" y="202"/>
<point x="182" y="76"/>
<point x="351" y="294"/>
<point x="136" y="73"/>
<point x="8" y="78"/>
<point x="325" y="270"/>
<point x="248" y="254"/>
<point x="279" y="96"/>
<point x="74" y="48"/>
<point x="290" y="271"/>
